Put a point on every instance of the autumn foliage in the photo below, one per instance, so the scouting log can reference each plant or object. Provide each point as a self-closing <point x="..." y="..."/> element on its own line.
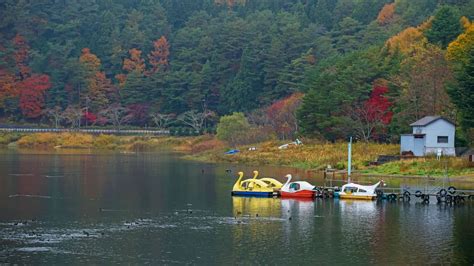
<point x="282" y="115"/>
<point x="20" y="82"/>
<point x="409" y="39"/>
<point x="230" y="3"/>
<point x="21" y="55"/>
<point x="385" y="15"/>
<point x="378" y="105"/>
<point x="89" y="61"/>
<point x="159" y="56"/>
<point x="90" y="117"/>
<point x="372" y="116"/>
<point x="458" y="50"/>
<point x="7" y="86"/>
<point x="32" y="92"/>
<point x="135" y="62"/>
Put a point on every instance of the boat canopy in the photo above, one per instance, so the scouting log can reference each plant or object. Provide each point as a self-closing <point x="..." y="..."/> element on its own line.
<point x="361" y="188"/>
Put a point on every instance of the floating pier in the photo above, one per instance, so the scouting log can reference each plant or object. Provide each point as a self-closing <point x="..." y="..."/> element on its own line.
<point x="440" y="191"/>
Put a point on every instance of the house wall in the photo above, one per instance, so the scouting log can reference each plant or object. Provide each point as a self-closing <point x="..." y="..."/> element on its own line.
<point x="438" y="128"/>
<point x="406" y="143"/>
<point x="419" y="145"/>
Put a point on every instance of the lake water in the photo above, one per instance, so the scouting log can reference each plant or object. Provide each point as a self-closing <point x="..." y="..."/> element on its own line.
<point x="153" y="208"/>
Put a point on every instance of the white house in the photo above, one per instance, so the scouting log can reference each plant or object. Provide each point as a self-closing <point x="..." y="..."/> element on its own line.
<point x="431" y="134"/>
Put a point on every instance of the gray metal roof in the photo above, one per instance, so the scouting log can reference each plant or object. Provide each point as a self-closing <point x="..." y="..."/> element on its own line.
<point x="428" y="120"/>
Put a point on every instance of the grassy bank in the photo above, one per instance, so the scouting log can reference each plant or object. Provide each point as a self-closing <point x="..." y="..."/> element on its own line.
<point x="102" y="142"/>
<point x="317" y="156"/>
<point x="428" y="166"/>
<point x="311" y="156"/>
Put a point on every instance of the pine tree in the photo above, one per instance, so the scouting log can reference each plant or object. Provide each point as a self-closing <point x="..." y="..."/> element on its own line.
<point x="462" y="95"/>
<point x="445" y="27"/>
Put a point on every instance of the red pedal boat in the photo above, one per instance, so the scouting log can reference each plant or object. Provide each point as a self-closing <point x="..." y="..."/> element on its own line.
<point x="298" y="189"/>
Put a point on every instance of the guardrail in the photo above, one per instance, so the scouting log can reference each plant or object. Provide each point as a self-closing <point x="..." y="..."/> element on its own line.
<point x="90" y="131"/>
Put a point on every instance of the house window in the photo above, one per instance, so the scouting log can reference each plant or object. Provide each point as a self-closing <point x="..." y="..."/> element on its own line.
<point x="442" y="139"/>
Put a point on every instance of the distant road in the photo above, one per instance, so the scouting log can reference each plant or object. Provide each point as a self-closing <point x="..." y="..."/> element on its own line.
<point x="90" y="131"/>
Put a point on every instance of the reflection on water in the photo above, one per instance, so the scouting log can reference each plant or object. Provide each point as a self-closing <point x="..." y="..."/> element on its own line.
<point x="154" y="208"/>
<point x="258" y="207"/>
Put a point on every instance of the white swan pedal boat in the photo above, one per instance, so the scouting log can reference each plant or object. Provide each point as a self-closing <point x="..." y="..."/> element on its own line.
<point x="297" y="189"/>
<point x="356" y="191"/>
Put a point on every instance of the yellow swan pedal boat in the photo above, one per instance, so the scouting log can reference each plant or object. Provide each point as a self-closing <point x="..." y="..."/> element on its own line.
<point x="271" y="182"/>
<point x="251" y="187"/>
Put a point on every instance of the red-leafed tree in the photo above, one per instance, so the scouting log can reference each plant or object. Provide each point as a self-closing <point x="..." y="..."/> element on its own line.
<point x="282" y="115"/>
<point x="137" y="114"/>
<point x="159" y="56"/>
<point x="373" y="115"/>
<point x="90" y="118"/>
<point x="32" y="92"/>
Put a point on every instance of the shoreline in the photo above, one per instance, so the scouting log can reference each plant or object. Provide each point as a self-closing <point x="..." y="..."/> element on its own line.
<point x="313" y="155"/>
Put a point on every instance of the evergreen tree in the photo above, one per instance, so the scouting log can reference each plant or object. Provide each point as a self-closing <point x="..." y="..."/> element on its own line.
<point x="462" y="95"/>
<point x="445" y="27"/>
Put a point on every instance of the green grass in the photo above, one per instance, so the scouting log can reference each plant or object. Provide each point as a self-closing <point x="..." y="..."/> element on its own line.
<point x="428" y="166"/>
<point x="315" y="155"/>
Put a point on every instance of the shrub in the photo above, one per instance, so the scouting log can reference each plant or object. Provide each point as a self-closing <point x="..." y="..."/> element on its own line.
<point x="206" y="145"/>
<point x="232" y="127"/>
<point x="105" y="141"/>
<point x="39" y="140"/>
<point x="7" y="138"/>
<point x="76" y="140"/>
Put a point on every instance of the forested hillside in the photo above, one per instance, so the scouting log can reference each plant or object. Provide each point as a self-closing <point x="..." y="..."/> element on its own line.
<point x="321" y="68"/>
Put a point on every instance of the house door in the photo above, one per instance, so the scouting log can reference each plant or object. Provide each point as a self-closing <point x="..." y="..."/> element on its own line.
<point x="419" y="146"/>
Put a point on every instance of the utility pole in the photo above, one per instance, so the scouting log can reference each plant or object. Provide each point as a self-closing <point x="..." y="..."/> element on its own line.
<point x="349" y="158"/>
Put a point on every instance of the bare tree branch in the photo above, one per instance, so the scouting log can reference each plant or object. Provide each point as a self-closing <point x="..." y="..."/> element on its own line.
<point x="195" y="119"/>
<point x="55" y="115"/>
<point x="73" y="115"/>
<point x="161" y="121"/>
<point x="116" y="115"/>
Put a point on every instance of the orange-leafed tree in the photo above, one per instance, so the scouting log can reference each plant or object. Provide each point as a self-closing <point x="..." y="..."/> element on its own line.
<point x="230" y="3"/>
<point x="121" y="78"/>
<point x="99" y="87"/>
<point x="89" y="62"/>
<point x="8" y="89"/>
<point x="135" y="62"/>
<point x="458" y="50"/>
<point x="96" y="82"/>
<point x="32" y="92"/>
<point x="21" y="56"/>
<point x="159" y="56"/>
<point x="408" y="40"/>
<point x="282" y="115"/>
<point x="386" y="14"/>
